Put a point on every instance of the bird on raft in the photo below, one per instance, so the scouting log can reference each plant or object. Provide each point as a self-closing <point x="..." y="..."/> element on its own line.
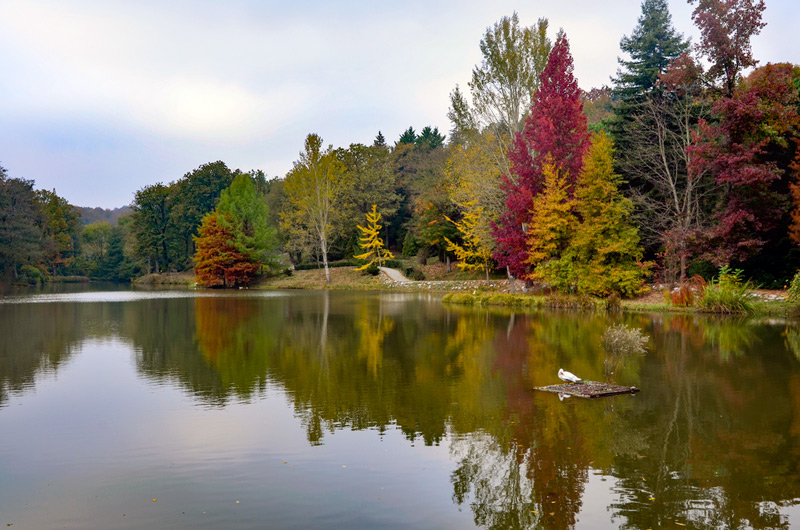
<point x="569" y="377"/>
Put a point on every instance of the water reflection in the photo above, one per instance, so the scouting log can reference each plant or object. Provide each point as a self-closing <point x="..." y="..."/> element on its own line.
<point x="710" y="442"/>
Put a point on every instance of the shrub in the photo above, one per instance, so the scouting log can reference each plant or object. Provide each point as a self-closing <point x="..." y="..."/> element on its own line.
<point x="727" y="294"/>
<point x="415" y="274"/>
<point x="613" y="302"/>
<point x="372" y="270"/>
<point x="622" y="340"/>
<point x="686" y="294"/>
<point x="569" y="301"/>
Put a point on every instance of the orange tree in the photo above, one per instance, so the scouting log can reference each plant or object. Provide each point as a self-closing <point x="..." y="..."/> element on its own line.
<point x="218" y="261"/>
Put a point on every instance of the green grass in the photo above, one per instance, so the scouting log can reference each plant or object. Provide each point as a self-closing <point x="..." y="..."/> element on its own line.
<point x="726" y="298"/>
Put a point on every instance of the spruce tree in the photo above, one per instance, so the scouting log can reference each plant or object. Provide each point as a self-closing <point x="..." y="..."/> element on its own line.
<point x="652" y="46"/>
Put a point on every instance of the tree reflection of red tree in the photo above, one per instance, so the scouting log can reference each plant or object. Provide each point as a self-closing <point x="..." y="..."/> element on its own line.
<point x="548" y="436"/>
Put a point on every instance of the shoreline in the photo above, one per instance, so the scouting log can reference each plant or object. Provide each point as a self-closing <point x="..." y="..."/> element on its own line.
<point x="476" y="292"/>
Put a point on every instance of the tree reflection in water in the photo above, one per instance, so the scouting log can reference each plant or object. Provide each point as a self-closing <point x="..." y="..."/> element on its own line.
<point x="711" y="441"/>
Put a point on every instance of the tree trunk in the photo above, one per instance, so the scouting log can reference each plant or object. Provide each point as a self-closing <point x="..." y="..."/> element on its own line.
<point x="511" y="286"/>
<point x="324" y="249"/>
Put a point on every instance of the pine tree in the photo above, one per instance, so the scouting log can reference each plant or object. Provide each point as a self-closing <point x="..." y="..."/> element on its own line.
<point x="652" y="46"/>
<point x="408" y="137"/>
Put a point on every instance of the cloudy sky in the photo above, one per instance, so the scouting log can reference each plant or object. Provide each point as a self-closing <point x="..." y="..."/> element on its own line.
<point x="99" y="98"/>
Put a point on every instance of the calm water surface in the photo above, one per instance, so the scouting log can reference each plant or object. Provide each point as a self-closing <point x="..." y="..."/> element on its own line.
<point x="167" y="409"/>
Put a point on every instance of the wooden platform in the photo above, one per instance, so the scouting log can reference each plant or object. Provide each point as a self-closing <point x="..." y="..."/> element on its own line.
<point x="589" y="389"/>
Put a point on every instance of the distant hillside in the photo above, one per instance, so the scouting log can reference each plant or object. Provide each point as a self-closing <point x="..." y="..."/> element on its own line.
<point x="92" y="215"/>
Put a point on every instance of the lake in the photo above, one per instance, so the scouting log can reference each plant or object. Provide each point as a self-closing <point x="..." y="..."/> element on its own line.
<point x="251" y="409"/>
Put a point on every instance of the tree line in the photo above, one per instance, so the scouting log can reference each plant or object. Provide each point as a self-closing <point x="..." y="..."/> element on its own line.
<point x="686" y="163"/>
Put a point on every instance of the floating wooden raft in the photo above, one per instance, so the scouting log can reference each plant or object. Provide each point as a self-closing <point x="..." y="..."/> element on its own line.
<point x="589" y="389"/>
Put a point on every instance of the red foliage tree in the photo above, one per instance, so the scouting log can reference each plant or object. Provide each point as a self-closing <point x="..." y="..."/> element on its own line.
<point x="555" y="128"/>
<point x="747" y="153"/>
<point x="726" y="27"/>
<point x="218" y="263"/>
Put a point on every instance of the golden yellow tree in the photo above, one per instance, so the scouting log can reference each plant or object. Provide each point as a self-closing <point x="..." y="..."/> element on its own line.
<point x="474" y="254"/>
<point x="372" y="242"/>
<point x="551" y="226"/>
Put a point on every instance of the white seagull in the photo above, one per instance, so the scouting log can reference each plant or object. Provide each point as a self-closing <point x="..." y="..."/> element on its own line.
<point x="568" y="376"/>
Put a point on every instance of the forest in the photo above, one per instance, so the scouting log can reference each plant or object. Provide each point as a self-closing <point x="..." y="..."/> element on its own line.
<point x="688" y="162"/>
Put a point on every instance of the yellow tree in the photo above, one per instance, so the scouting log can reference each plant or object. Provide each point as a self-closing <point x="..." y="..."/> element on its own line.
<point x="372" y="242"/>
<point x="550" y="228"/>
<point x="313" y="188"/>
<point x="474" y="254"/>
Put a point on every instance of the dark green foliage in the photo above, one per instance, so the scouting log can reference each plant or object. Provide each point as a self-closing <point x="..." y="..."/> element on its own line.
<point x="380" y="140"/>
<point x="191" y="198"/>
<point x="20" y="222"/>
<point x="151" y="225"/>
<point x="408" y="137"/>
<point x="372" y="270"/>
<point x="410" y="245"/>
<point x="651" y="47"/>
<point x="412" y="273"/>
<point x="653" y="44"/>
<point x="429" y="138"/>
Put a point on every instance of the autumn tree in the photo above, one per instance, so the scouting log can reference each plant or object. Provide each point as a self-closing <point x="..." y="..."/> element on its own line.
<point x="556" y="131"/>
<point x="313" y="188"/>
<point x="59" y="230"/>
<point x="371" y="241"/>
<point x="244" y="213"/>
<point x="218" y="261"/>
<point x="473" y="177"/>
<point x="475" y="253"/>
<point x="726" y="27"/>
<point x="503" y="85"/>
<point x="672" y="205"/>
<point x="747" y="152"/>
<point x="603" y="252"/>
<point x="551" y="225"/>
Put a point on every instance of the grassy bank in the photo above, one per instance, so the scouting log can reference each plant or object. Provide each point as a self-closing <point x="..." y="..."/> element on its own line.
<point x="344" y="278"/>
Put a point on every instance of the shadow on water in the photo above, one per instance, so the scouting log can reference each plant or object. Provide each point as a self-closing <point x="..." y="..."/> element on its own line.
<point x="710" y="442"/>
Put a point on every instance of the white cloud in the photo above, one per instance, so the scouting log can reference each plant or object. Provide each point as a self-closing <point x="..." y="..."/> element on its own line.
<point x="185" y="82"/>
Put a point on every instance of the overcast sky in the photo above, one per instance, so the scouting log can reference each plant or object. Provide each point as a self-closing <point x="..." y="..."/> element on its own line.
<point x="99" y="98"/>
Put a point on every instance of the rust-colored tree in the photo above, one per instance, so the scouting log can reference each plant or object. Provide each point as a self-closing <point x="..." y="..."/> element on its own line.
<point x="218" y="262"/>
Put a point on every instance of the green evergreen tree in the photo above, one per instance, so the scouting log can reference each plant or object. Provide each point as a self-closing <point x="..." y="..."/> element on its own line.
<point x="652" y="46"/>
<point x="408" y="137"/>
<point x="604" y="253"/>
<point x="244" y="213"/>
<point x="430" y="138"/>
